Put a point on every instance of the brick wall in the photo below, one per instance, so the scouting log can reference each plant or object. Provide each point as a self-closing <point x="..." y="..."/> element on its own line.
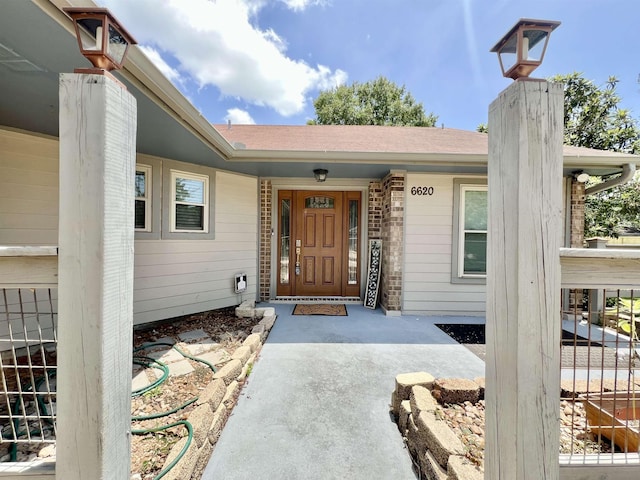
<point x="266" y="193"/>
<point x="577" y="214"/>
<point x="375" y="211"/>
<point x="577" y="233"/>
<point x="392" y="232"/>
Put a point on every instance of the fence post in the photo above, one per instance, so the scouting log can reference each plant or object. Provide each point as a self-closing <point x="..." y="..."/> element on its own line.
<point x="97" y="168"/>
<point x="523" y="282"/>
<point x="596" y="300"/>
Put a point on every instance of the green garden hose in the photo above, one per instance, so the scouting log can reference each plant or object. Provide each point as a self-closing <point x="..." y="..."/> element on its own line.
<point x="42" y="408"/>
<point x="141" y="360"/>
<point x="148" y="362"/>
<point x="182" y="452"/>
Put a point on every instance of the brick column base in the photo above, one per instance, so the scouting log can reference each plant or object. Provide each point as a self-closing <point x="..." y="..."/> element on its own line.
<point x="266" y="193"/>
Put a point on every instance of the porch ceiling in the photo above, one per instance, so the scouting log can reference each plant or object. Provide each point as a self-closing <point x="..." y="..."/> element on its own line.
<point x="37" y="43"/>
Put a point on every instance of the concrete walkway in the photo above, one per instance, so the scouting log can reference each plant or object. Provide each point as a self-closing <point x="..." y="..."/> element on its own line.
<point x="316" y="405"/>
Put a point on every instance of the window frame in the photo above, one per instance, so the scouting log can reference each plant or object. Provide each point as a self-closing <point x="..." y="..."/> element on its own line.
<point x="155" y="197"/>
<point x="172" y="170"/>
<point x="174" y="175"/>
<point x="461" y="186"/>
<point x="148" y="197"/>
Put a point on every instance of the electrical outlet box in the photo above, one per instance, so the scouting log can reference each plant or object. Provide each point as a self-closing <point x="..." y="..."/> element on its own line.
<point x="240" y="282"/>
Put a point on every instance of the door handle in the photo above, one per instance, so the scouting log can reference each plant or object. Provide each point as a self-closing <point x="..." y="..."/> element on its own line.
<point x="297" y="259"/>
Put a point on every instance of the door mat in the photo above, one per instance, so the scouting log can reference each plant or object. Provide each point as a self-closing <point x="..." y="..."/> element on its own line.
<point x="331" y="309"/>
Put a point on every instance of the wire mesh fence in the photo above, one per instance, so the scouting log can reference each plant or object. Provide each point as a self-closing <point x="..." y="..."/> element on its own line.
<point x="28" y="321"/>
<point x="600" y="382"/>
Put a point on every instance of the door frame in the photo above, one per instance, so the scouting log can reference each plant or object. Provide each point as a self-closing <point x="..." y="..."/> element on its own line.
<point x="345" y="185"/>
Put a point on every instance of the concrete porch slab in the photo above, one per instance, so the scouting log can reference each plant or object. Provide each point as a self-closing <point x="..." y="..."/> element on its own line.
<point x="317" y="402"/>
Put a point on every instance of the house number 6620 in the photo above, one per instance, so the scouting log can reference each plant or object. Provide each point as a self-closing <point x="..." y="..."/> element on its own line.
<point x="422" y="191"/>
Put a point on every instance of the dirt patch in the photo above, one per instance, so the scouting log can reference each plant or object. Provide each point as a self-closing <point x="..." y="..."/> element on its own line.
<point x="149" y="451"/>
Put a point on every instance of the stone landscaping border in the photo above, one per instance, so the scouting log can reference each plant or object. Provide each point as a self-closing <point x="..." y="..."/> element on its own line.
<point x="437" y="452"/>
<point x="218" y="398"/>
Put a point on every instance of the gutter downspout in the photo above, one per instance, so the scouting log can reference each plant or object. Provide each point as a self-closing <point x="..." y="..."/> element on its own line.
<point x="628" y="171"/>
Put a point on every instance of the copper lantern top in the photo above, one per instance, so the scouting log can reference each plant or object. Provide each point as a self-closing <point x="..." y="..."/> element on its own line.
<point x="107" y="41"/>
<point x="522" y="49"/>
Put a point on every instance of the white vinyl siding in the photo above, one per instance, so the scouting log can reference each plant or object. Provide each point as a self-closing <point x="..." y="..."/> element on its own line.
<point x="28" y="189"/>
<point x="180" y="277"/>
<point x="171" y="277"/>
<point x="427" y="273"/>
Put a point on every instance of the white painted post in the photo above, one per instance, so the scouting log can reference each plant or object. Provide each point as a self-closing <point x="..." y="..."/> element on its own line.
<point x="95" y="289"/>
<point x="523" y="282"/>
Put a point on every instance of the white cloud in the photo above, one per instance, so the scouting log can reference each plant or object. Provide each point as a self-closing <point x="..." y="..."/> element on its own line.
<point x="239" y="117"/>
<point x="216" y="43"/>
<point x="298" y="5"/>
<point x="166" y="69"/>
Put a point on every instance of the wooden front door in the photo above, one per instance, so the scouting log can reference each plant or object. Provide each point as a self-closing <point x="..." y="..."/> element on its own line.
<point x="319" y="238"/>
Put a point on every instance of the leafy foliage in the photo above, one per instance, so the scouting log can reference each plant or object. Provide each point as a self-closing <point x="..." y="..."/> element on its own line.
<point x="378" y="102"/>
<point x="593" y="119"/>
<point x="614" y="211"/>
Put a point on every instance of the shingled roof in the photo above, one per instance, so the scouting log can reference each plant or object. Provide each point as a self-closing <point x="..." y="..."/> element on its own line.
<point x="428" y="141"/>
<point x="354" y="138"/>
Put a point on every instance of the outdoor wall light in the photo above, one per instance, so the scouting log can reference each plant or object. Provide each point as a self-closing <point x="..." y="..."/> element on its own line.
<point x="522" y="49"/>
<point x="581" y="176"/>
<point x="320" y="174"/>
<point x="102" y="40"/>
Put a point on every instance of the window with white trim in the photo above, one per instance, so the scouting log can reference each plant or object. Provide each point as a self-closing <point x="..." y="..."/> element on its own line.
<point x="189" y="202"/>
<point x="143" y="198"/>
<point x="472" y="231"/>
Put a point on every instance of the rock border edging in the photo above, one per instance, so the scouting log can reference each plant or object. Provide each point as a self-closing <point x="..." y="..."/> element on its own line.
<point x="437" y="451"/>
<point x="217" y="399"/>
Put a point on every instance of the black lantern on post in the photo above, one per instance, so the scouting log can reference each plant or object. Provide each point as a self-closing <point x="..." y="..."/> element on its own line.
<point x="522" y="49"/>
<point x="105" y="42"/>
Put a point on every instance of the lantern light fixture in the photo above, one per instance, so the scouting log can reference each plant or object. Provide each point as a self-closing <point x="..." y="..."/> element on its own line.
<point x="320" y="174"/>
<point x="580" y="176"/>
<point x="522" y="49"/>
<point x="101" y="38"/>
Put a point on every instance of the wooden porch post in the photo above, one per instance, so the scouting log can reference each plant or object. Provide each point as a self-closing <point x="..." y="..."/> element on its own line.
<point x="523" y="282"/>
<point x="95" y="288"/>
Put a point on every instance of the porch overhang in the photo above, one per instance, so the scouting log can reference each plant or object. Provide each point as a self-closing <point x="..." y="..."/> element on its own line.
<point x="40" y="37"/>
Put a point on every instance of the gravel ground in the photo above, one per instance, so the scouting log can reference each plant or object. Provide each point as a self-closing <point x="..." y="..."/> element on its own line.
<point x="467" y="421"/>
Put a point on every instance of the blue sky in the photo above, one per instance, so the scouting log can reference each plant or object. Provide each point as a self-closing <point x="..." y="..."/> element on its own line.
<point x="264" y="61"/>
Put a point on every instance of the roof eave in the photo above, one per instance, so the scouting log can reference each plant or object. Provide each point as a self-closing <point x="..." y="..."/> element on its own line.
<point x="391" y="158"/>
<point x="409" y="158"/>
<point x="145" y="76"/>
<point x="141" y="72"/>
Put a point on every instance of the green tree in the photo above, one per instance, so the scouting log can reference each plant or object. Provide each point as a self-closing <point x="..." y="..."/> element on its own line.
<point x="378" y="102"/>
<point x="612" y="212"/>
<point x="593" y="118"/>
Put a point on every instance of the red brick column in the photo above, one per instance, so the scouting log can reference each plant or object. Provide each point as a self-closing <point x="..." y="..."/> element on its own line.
<point x="577" y="214"/>
<point x="266" y="193"/>
<point x="392" y="241"/>
<point x="374" y="214"/>
<point x="577" y="233"/>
